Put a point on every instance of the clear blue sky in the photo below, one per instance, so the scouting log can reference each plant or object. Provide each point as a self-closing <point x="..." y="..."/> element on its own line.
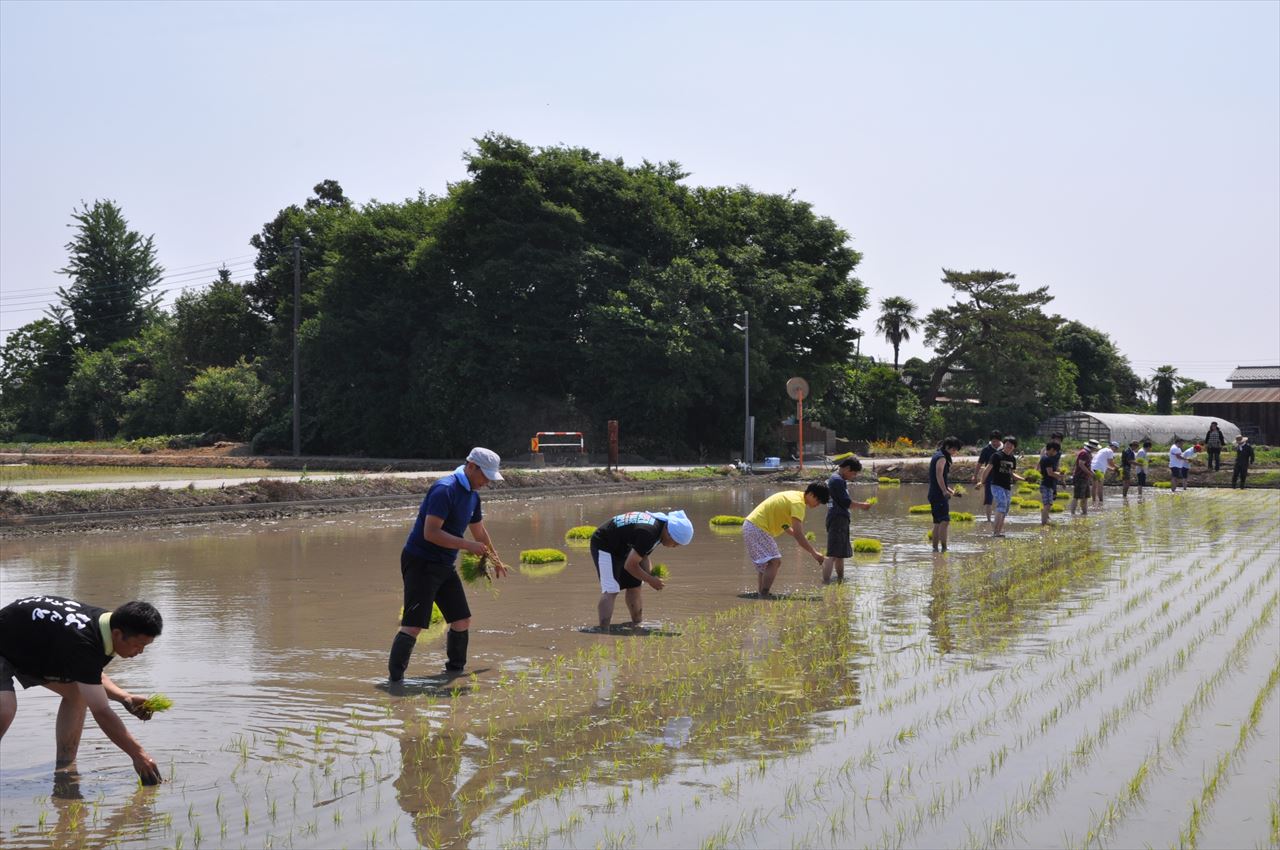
<point x="1127" y="155"/>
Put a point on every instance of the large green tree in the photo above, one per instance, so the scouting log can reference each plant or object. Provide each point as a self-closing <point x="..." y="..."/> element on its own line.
<point x="994" y="341"/>
<point x="35" y="365"/>
<point x="1105" y="382"/>
<point x="113" y="273"/>
<point x="1164" y="382"/>
<point x="217" y="326"/>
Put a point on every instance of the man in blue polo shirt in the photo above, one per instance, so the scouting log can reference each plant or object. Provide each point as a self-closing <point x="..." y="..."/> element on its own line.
<point x="451" y="507"/>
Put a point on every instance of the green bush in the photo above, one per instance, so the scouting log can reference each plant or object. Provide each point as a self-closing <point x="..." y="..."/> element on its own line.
<point x="228" y="400"/>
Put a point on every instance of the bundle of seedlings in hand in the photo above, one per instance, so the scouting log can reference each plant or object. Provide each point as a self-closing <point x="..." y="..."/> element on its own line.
<point x="157" y="702"/>
<point x="660" y="571"/>
<point x="958" y="489"/>
<point x="472" y="567"/>
<point x="873" y="500"/>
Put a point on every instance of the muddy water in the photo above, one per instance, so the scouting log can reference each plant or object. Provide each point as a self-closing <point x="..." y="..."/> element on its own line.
<point x="725" y="721"/>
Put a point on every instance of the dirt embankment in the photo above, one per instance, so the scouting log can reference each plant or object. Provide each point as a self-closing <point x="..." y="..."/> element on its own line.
<point x="78" y="510"/>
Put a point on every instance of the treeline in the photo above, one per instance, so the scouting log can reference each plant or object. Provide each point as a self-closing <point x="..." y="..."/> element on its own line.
<point x="552" y="289"/>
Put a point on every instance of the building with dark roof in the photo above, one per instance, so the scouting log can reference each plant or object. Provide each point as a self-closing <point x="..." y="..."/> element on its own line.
<point x="1252" y="403"/>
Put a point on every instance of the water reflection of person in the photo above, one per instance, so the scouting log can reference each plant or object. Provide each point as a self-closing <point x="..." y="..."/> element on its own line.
<point x="64" y="645"/>
<point x="620" y="550"/>
<point x="75" y="819"/>
<point x="450" y="508"/>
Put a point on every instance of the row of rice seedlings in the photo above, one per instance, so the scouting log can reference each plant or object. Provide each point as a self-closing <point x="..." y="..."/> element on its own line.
<point x="1032" y="796"/>
<point x="935" y="803"/>
<point x="1132" y="792"/>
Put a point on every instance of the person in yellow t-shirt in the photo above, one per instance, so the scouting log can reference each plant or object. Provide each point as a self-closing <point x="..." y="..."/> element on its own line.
<point x="780" y="512"/>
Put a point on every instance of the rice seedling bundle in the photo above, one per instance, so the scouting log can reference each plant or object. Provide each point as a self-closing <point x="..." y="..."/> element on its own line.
<point x="919" y="509"/>
<point x="726" y="519"/>
<point x="579" y="533"/>
<point x="1163" y="485"/>
<point x="961" y="516"/>
<point x="810" y="536"/>
<point x="1061" y="497"/>
<point x="883" y="479"/>
<point x="959" y="490"/>
<point x="1026" y="487"/>
<point x="157" y="702"/>
<point x="873" y="500"/>
<point x="660" y="571"/>
<point x="542" y="556"/>
<point x="867" y="544"/>
<point x="1032" y="476"/>
<point x="472" y="567"/>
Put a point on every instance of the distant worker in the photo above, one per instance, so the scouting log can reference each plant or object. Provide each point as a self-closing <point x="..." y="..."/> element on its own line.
<point x="940" y="491"/>
<point x="999" y="475"/>
<point x="64" y="645"/>
<point x="1244" y="457"/>
<point x="1082" y="478"/>
<point x="620" y="550"/>
<point x="839" y="546"/>
<point x="1104" y="461"/>
<point x="1144" y="465"/>
<point x="1049" y="478"/>
<point x="1214" y="441"/>
<point x="994" y="444"/>
<point x="1128" y="461"/>
<point x="450" y="508"/>
<point x="1179" y="467"/>
<point x="780" y="512"/>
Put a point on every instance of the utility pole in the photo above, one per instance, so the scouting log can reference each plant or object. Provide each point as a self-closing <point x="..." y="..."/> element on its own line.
<point x="297" y="320"/>
<point x="746" y="389"/>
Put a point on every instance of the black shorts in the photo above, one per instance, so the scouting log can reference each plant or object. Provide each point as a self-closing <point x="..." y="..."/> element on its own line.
<point x="426" y="582"/>
<point x="838" y="545"/>
<point x="941" y="510"/>
<point x="609" y="564"/>
<point x="987" y="498"/>
<point x="8" y="673"/>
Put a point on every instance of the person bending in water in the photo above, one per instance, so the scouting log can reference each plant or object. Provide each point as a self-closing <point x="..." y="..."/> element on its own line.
<point x="780" y="512"/>
<point x="450" y="508"/>
<point x="839" y="546"/>
<point x="620" y="549"/>
<point x="63" y="645"/>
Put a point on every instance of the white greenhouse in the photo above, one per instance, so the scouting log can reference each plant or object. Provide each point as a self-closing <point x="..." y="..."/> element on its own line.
<point x="1124" y="427"/>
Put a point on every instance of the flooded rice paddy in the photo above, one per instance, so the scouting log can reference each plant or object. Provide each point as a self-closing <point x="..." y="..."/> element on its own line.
<point x="1108" y="682"/>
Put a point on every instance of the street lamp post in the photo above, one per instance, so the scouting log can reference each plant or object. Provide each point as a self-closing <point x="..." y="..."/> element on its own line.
<point x="747" y="448"/>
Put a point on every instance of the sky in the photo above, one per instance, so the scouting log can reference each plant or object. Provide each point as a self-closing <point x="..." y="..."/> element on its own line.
<point x="1127" y="155"/>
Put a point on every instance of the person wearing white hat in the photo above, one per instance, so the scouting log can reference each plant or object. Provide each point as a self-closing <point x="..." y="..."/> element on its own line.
<point x="620" y="549"/>
<point x="450" y="509"/>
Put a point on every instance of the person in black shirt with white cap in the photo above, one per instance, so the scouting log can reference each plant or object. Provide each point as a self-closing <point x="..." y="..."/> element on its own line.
<point x="64" y="645"/>
<point x="620" y="549"/>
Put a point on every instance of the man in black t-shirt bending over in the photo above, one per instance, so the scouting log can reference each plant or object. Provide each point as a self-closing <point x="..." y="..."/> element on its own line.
<point x="620" y="549"/>
<point x="63" y="645"/>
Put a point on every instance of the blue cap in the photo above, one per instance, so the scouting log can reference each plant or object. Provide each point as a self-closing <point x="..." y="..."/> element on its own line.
<point x="678" y="526"/>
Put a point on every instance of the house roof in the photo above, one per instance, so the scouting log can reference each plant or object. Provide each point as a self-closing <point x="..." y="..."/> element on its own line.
<point x="1243" y="395"/>
<point x="1255" y="373"/>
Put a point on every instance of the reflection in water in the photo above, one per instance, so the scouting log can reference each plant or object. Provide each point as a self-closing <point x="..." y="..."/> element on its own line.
<point x="748" y="685"/>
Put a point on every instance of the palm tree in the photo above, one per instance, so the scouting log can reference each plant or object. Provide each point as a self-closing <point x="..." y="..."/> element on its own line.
<point x="1162" y="384"/>
<point x="897" y="321"/>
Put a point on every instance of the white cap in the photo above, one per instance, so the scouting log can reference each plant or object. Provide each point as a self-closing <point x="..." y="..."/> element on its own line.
<point x="488" y="461"/>
<point x="678" y="526"/>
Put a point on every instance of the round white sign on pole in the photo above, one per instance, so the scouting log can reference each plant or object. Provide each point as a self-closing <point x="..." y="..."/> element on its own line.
<point x="798" y="389"/>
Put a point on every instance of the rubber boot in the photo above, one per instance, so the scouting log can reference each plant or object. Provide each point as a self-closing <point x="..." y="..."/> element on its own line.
<point x="456" y="649"/>
<point x="401" y="649"/>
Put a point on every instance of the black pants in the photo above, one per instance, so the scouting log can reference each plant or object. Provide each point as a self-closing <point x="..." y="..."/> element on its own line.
<point x="1239" y="472"/>
<point x="1215" y="459"/>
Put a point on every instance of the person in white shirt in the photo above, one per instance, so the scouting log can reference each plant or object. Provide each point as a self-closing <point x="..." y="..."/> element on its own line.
<point x="1104" y="460"/>
<point x="1177" y="466"/>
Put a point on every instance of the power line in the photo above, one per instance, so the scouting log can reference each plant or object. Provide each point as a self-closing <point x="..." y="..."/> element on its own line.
<point x="25" y="300"/>
<point x="175" y="272"/>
